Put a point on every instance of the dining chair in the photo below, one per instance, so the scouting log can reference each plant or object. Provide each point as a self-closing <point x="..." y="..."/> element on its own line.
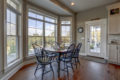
<point x="67" y="58"/>
<point x="75" y="56"/>
<point x="42" y="60"/>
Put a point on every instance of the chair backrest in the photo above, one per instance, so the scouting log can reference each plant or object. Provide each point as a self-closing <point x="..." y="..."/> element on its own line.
<point x="43" y="58"/>
<point x="37" y="49"/>
<point x="56" y="45"/>
<point x="77" y="49"/>
<point x="70" y="50"/>
<point x="41" y="54"/>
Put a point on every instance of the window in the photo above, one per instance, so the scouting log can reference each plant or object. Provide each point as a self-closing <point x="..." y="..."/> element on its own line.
<point x="35" y="33"/>
<point x="13" y="31"/>
<point x="49" y="34"/>
<point x="41" y="30"/>
<point x="12" y="36"/>
<point x="66" y="32"/>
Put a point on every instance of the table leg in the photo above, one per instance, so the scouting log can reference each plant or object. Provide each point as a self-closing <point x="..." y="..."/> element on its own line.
<point x="59" y="66"/>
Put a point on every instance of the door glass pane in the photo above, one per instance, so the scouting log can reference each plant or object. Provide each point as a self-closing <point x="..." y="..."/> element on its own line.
<point x="95" y="39"/>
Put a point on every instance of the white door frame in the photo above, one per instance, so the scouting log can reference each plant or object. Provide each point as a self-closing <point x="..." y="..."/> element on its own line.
<point x="103" y="23"/>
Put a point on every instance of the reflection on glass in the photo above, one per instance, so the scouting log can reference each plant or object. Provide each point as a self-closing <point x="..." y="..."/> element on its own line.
<point x="95" y="39"/>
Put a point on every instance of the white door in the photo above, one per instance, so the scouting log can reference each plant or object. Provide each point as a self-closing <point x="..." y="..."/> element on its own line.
<point x="96" y="38"/>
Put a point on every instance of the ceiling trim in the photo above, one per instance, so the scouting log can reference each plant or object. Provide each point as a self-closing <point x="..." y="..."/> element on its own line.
<point x="58" y="3"/>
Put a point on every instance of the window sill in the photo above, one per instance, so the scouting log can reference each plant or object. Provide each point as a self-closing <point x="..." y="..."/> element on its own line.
<point x="30" y="56"/>
<point x="12" y="65"/>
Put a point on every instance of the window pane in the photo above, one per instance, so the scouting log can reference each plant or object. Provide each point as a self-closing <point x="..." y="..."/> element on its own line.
<point x="65" y="22"/>
<point x="39" y="30"/>
<point x="35" y="28"/>
<point x="11" y="29"/>
<point x="13" y="18"/>
<point x="8" y="15"/>
<point x="65" y="30"/>
<point x="34" y="15"/>
<point x="8" y="29"/>
<point x="49" y="34"/>
<point x="50" y="19"/>
<point x="39" y="17"/>
<point x="32" y="23"/>
<point x="11" y="48"/>
<point x="30" y="14"/>
<point x="65" y="33"/>
<point x="34" y="39"/>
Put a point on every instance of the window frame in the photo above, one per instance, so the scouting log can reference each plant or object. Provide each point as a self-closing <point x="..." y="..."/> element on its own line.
<point x="7" y="65"/>
<point x="16" y="36"/>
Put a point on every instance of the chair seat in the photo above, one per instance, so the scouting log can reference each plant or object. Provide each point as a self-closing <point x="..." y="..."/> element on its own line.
<point x="51" y="55"/>
<point x="65" y="59"/>
<point x="45" y="63"/>
<point x="75" y="56"/>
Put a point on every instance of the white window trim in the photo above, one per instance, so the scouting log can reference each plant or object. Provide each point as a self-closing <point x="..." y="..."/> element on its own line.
<point x="7" y="66"/>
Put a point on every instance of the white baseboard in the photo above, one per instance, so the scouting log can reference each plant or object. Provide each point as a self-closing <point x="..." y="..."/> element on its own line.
<point x="12" y="72"/>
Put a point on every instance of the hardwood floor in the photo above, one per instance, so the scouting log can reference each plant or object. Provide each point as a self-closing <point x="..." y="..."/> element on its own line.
<point x="88" y="70"/>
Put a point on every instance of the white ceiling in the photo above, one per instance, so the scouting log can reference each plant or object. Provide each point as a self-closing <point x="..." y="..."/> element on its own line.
<point x="81" y="5"/>
<point x="47" y="4"/>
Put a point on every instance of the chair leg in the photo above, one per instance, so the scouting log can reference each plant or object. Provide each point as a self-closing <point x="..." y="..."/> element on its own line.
<point x="64" y="65"/>
<point x="36" y="69"/>
<point x="52" y="68"/>
<point x="78" y="61"/>
<point x="43" y="69"/>
<point x="67" y="71"/>
<point x="72" y="67"/>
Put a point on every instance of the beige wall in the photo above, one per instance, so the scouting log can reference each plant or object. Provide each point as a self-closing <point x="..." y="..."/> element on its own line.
<point x="82" y="17"/>
<point x="0" y="38"/>
<point x="2" y="7"/>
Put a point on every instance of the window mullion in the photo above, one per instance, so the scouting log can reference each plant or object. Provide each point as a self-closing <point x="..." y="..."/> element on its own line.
<point x="44" y="40"/>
